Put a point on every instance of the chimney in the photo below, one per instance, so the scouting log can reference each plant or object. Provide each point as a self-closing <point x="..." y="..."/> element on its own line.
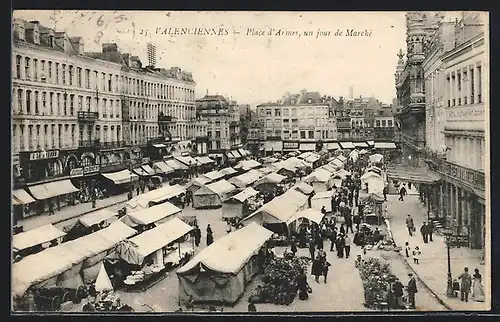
<point x="33" y="32"/>
<point x="77" y="44"/>
<point x="109" y="48"/>
<point x="62" y="41"/>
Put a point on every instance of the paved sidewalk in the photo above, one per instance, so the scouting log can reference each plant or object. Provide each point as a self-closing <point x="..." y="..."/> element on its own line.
<point x="70" y="212"/>
<point x="432" y="268"/>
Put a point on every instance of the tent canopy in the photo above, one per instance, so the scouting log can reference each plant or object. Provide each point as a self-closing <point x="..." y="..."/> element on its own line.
<point x="342" y="173"/>
<point x="266" y="170"/>
<point x="304" y="188"/>
<point x="305" y="155"/>
<point x="55" y="260"/>
<point x="152" y="240"/>
<point x="186" y="160"/>
<point x="246" y="178"/>
<point x="311" y="214"/>
<point x="120" y="177"/>
<point x="158" y="195"/>
<point x="418" y="175"/>
<point x="162" y="167"/>
<point x="319" y="175"/>
<point x="204" y="160"/>
<point x="103" y="283"/>
<point x="384" y="145"/>
<point x="342" y="158"/>
<point x="96" y="217"/>
<point x="35" y="237"/>
<point x="228" y="171"/>
<point x="245" y="194"/>
<point x="337" y="163"/>
<point x="221" y="187"/>
<point x="153" y="214"/>
<point x="231" y="252"/>
<point x="214" y="175"/>
<point x="312" y="158"/>
<point x="272" y="178"/>
<point x="368" y="175"/>
<point x="248" y="164"/>
<point x="200" y="181"/>
<point x="21" y="197"/>
<point x="176" y="165"/>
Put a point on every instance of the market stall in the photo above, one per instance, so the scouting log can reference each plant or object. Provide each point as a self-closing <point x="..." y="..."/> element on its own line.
<point x="220" y="272"/>
<point x="236" y="206"/>
<point x="153" y="252"/>
<point x="155" y="214"/>
<point x="320" y="179"/>
<point x="213" y="195"/>
<point x="305" y="216"/>
<point x="35" y="240"/>
<point x="154" y="197"/>
<point x="214" y="175"/>
<point x="246" y="179"/>
<point x="90" y="223"/>
<point x="228" y="172"/>
<point x="304" y="188"/>
<point x="323" y="199"/>
<point x="246" y="165"/>
<point x="269" y="182"/>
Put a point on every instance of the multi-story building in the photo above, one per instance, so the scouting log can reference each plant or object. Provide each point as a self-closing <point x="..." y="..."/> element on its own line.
<point x="223" y="126"/>
<point x="410" y="87"/>
<point x="384" y="127"/>
<point x="296" y="122"/>
<point x="76" y="114"/>
<point x="343" y="117"/>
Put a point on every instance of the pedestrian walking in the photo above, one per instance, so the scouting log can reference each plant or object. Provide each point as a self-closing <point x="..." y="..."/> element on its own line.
<point x="326" y="267"/>
<point x="477" y="287"/>
<point x="348" y="223"/>
<point x="342" y="229"/>
<point x="410" y="225"/>
<point x="424" y="232"/>
<point x="333" y="238"/>
<point x="411" y="289"/>
<point x="430" y="229"/>
<point x="402" y="193"/>
<point x="312" y="249"/>
<point x="340" y="246"/>
<point x="397" y="290"/>
<point x="210" y="235"/>
<point x="317" y="269"/>
<point x="197" y="235"/>
<point x="416" y="254"/>
<point x="407" y="249"/>
<point x="347" y="245"/>
<point x="466" y="281"/>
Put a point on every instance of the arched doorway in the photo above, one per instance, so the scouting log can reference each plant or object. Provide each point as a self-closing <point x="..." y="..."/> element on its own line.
<point x="71" y="163"/>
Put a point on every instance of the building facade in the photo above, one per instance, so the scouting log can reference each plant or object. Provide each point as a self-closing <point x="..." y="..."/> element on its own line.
<point x="222" y="125"/>
<point x="76" y="114"/>
<point x="384" y="127"/>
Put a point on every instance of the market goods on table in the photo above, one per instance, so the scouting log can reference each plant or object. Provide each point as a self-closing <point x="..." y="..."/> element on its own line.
<point x="279" y="282"/>
<point x="376" y="277"/>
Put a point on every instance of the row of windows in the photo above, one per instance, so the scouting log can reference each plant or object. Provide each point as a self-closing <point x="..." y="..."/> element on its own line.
<point x="286" y="111"/>
<point x="465" y="86"/>
<point x="65" y="74"/>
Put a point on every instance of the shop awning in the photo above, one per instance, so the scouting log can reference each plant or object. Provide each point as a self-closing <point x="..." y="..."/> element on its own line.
<point x="214" y="175"/>
<point x="307" y="146"/>
<point x="275" y="146"/>
<point x="35" y="237"/>
<point x="140" y="172"/>
<point x="21" y="197"/>
<point x="52" y="189"/>
<point x="186" y="160"/>
<point x="385" y="145"/>
<point x="159" y="146"/>
<point x="347" y="145"/>
<point x="120" y="177"/>
<point x="234" y="154"/>
<point x="311" y="214"/>
<point x="418" y="175"/>
<point x="96" y="217"/>
<point x="332" y="146"/>
<point x="153" y="214"/>
<point x="154" y="239"/>
<point x="243" y="152"/>
<point x="162" y="167"/>
<point x="148" y="169"/>
<point x="360" y="144"/>
<point x="176" y="165"/>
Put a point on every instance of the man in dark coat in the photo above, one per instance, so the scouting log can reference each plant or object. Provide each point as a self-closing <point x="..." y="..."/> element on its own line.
<point x="312" y="249"/>
<point x="348" y="223"/>
<point x="430" y="229"/>
<point x="385" y="191"/>
<point x="397" y="289"/>
<point x="333" y="238"/>
<point x="410" y="225"/>
<point x="466" y="282"/>
<point x="402" y="193"/>
<point x="210" y="236"/>
<point x="412" y="290"/>
<point x="424" y="231"/>
<point x="317" y="268"/>
<point x="197" y="235"/>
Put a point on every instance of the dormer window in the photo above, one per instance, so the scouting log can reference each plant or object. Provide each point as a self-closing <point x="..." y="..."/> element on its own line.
<point x="21" y="33"/>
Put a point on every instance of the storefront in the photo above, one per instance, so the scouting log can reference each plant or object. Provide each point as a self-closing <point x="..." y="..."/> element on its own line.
<point x="41" y="165"/>
<point x="21" y="202"/>
<point x="290" y="146"/>
<point x="87" y="181"/>
<point x="307" y="147"/>
<point x="53" y="196"/>
<point x="272" y="147"/>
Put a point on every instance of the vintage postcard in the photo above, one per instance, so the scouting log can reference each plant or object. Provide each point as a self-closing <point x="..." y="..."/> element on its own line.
<point x="279" y="162"/>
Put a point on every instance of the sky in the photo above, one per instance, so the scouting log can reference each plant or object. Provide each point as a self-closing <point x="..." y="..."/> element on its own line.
<point x="245" y="63"/>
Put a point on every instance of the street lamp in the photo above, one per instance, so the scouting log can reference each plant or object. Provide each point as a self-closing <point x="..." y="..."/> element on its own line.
<point x="449" y="284"/>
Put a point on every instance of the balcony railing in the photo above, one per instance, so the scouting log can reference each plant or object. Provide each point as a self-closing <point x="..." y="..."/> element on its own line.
<point x="88" y="116"/>
<point x="468" y="176"/>
<point x="89" y="143"/>
<point x="113" y="145"/>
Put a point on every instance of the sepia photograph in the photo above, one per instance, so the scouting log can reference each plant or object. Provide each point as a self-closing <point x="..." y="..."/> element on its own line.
<point x="250" y="161"/>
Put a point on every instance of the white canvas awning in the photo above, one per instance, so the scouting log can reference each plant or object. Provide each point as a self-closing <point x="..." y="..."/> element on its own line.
<point x="307" y="146"/>
<point x="176" y="165"/>
<point x="204" y="160"/>
<point x="385" y="145"/>
<point x="272" y="178"/>
<point x="342" y="158"/>
<point x="154" y="239"/>
<point x="214" y="175"/>
<point x="248" y="164"/>
<point x="304" y="188"/>
<point x="21" y="197"/>
<point x="140" y="172"/>
<point x="221" y="187"/>
<point x="274" y="146"/>
<point x="148" y="169"/>
<point x="162" y="167"/>
<point x="244" y="152"/>
<point x="200" y="181"/>
<point x="304" y="155"/>
<point x="342" y="173"/>
<point x="154" y="214"/>
<point x="120" y="177"/>
<point x="370" y="143"/>
<point x="347" y="145"/>
<point x="319" y="175"/>
<point x="103" y="283"/>
<point x="96" y="217"/>
<point x="186" y="160"/>
<point x="231" y="252"/>
<point x="35" y="237"/>
<point x="245" y="194"/>
<point x="312" y="158"/>
<point x="159" y="146"/>
<point x="311" y="214"/>
<point x="158" y="195"/>
<point x="228" y="171"/>
<point x="332" y="146"/>
<point x="245" y="179"/>
<point x="360" y="144"/>
<point x="52" y="189"/>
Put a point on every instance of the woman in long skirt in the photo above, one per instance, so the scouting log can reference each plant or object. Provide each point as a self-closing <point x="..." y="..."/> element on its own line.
<point x="477" y="288"/>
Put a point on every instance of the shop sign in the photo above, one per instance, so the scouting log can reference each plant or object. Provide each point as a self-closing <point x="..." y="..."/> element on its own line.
<point x="76" y="172"/>
<point x="457" y="240"/>
<point x="290" y="145"/>
<point x="91" y="169"/>
<point x="41" y="155"/>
